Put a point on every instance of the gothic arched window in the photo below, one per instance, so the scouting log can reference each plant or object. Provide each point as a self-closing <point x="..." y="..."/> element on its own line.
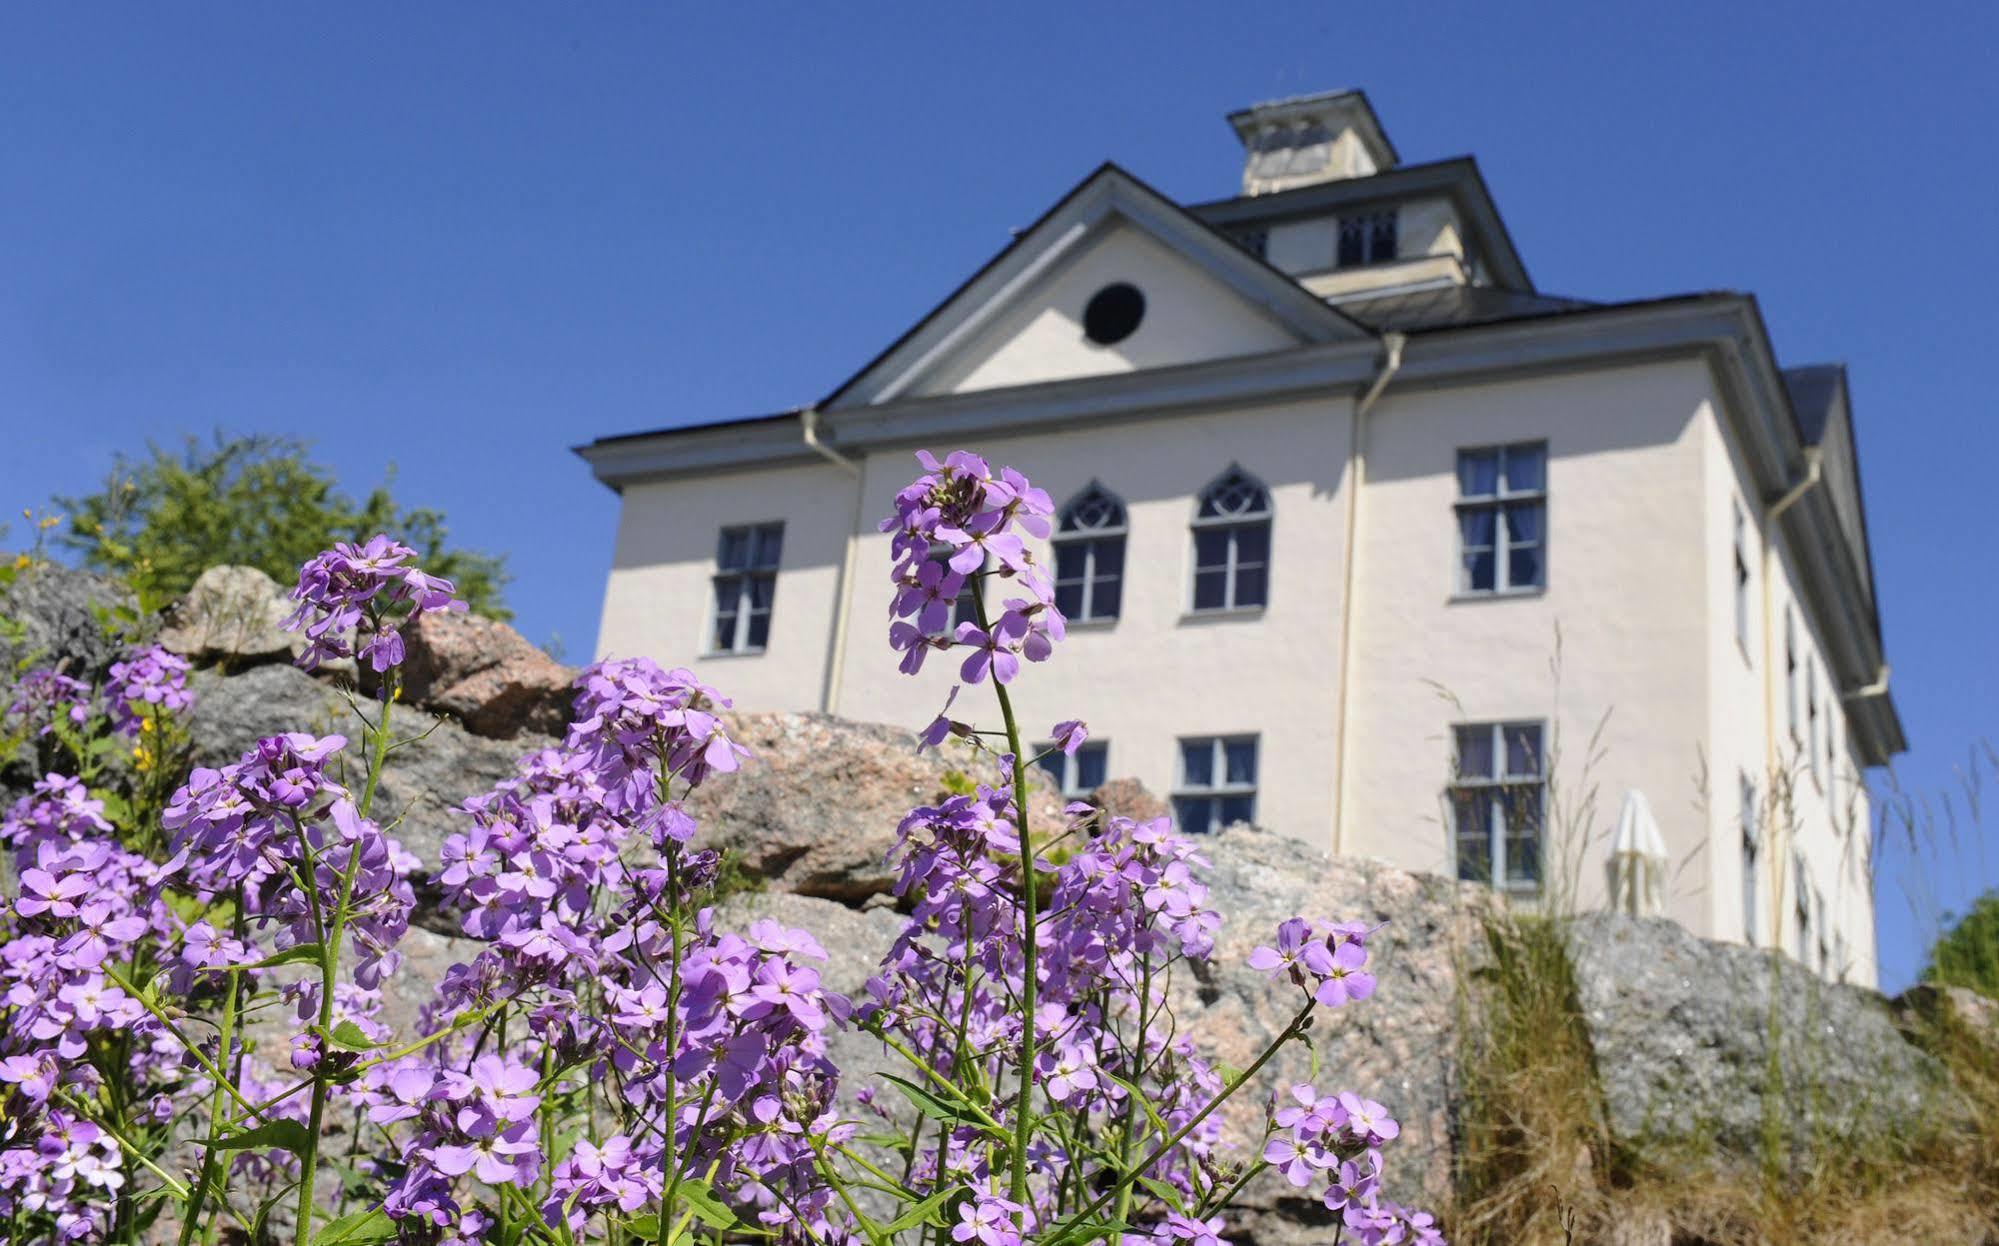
<point x="1089" y="555"/>
<point x="1232" y="543"/>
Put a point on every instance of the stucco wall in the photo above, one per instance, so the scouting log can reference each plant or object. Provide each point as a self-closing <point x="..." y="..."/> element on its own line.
<point x="1189" y="316"/>
<point x="1158" y="673"/>
<point x="659" y="600"/>
<point x="1610" y="656"/>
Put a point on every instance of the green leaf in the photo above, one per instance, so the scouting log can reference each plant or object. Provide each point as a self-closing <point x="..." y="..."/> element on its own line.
<point x="360" y="1228"/>
<point x="708" y="1209"/>
<point x="644" y="1227"/>
<point x="924" y="1212"/>
<point x="281" y="1134"/>
<point x="938" y="1109"/>
<point x="348" y="1036"/>
<point x="1089" y="1231"/>
<point x="290" y="956"/>
<point x="1163" y="1192"/>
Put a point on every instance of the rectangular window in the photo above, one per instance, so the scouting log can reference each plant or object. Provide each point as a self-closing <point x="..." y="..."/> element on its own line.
<point x="1791" y="672"/>
<point x="1812" y="720"/>
<point x="745" y="585"/>
<point x="1367" y="238"/>
<point x="1741" y="580"/>
<point x="1078" y="776"/>
<point x="1217" y="783"/>
<point x="1502" y="518"/>
<point x="1497" y="795"/>
<point x="1750" y="836"/>
<point x="1802" y="906"/>
<point x="1232" y="544"/>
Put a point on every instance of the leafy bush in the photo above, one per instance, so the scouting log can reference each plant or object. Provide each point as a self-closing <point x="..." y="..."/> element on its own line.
<point x="1967" y="954"/>
<point x="612" y="1065"/>
<point x="259" y="502"/>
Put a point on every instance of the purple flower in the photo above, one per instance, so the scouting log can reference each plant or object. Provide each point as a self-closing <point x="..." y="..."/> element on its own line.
<point x="148" y="676"/>
<point x="988" y="1220"/>
<point x="352" y="586"/>
<point x="1069" y="735"/>
<point x="989" y="653"/>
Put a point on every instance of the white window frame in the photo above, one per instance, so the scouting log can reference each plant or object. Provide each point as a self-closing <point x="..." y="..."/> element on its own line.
<point x="737" y="580"/>
<point x="1233" y="524"/>
<point x="1219" y="786"/>
<point x="1090" y="539"/>
<point x="1502" y="545"/>
<point x="1497" y="786"/>
<point x="1069" y="784"/>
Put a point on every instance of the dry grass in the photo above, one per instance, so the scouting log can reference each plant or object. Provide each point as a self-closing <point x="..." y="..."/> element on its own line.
<point x="1536" y="1162"/>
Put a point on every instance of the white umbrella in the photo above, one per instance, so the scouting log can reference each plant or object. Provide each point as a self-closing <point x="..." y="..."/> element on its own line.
<point x="1637" y="860"/>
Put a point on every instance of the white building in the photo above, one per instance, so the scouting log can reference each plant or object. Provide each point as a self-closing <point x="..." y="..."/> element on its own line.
<point x="1365" y="539"/>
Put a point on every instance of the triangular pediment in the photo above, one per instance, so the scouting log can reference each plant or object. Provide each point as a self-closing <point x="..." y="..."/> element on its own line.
<point x="1024" y="319"/>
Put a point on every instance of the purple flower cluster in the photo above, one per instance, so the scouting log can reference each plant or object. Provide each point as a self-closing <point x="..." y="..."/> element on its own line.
<point x="1337" y="1140"/>
<point x="373" y="587"/>
<point x="953" y="525"/>
<point x="146" y="677"/>
<point x="43" y="696"/>
<point x="284" y="839"/>
<point x="1331" y="964"/>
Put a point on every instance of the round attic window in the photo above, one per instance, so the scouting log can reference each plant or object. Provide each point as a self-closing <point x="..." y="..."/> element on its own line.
<point x="1113" y="314"/>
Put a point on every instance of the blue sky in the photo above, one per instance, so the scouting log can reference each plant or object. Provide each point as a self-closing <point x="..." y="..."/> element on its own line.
<point x="461" y="239"/>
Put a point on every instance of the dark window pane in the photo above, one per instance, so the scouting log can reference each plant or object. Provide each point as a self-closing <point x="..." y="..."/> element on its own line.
<point x="759" y="629"/>
<point x="1251" y="586"/>
<point x="1210" y="590"/>
<point x="1381" y="237"/>
<point x="1475" y="752"/>
<point x="1523" y="858"/>
<point x="1523" y="750"/>
<point x="1069" y="599"/>
<point x="1353" y="243"/>
<point x="1237" y="809"/>
<point x="725" y="631"/>
<point x="1526" y="468"/>
<point x="1092" y="764"/>
<point x="1478" y="473"/>
<point x="1197" y="763"/>
<point x="1523" y="567"/>
<point x="1211" y="547"/>
<point x="1109" y="556"/>
<point x="1521" y="806"/>
<point x="1051" y="766"/>
<point x="1071" y="557"/>
<point x="1474" y="845"/>
<point x="1252" y="543"/>
<point x="1523" y="523"/>
<point x="734" y="554"/>
<point x="1105" y="599"/>
<point x="1475" y="526"/>
<point x="1478" y="571"/>
<point x="768" y="545"/>
<point x="1195" y="814"/>
<point x="761" y="589"/>
<point x="1240" y="757"/>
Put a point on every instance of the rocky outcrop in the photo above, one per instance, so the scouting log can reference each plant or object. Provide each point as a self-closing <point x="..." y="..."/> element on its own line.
<point x="56" y="610"/>
<point x="486" y="675"/>
<point x="816" y="812"/>
<point x="1696" y="1040"/>
<point x="231" y="615"/>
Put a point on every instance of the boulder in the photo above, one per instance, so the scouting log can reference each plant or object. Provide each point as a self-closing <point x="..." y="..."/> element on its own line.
<point x="1128" y="798"/>
<point x="424" y="780"/>
<point x="1684" y="1031"/>
<point x="232" y="615"/>
<point x="816" y="809"/>
<point x="486" y="675"/>
<point x="56" y="609"/>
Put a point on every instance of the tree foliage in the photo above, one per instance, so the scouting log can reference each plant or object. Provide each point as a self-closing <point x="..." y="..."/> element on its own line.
<point x="253" y="501"/>
<point x="1967" y="954"/>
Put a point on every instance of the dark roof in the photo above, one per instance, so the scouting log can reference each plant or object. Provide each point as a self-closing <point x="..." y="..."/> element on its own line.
<point x="691" y="425"/>
<point x="1451" y="307"/>
<point x="1812" y="389"/>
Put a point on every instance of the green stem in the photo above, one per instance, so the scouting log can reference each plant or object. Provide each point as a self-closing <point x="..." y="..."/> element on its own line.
<point x="1023" y="1124"/>
<point x="329" y="964"/>
<point x="1131" y="1175"/>
<point x="216" y="1103"/>
<point x="207" y="1066"/>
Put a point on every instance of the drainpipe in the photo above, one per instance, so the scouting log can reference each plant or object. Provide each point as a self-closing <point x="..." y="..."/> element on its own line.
<point x="1356" y="475"/>
<point x="1879" y="688"/>
<point x="843" y="592"/>
<point x="1779" y="859"/>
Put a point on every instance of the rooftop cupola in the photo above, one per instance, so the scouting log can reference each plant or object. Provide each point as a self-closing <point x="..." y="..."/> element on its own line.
<point x="1309" y="139"/>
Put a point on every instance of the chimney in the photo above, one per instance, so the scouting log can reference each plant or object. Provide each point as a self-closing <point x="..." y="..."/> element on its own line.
<point x="1309" y="139"/>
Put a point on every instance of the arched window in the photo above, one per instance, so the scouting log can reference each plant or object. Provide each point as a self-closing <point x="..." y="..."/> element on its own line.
<point x="1089" y="555"/>
<point x="1232" y="543"/>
